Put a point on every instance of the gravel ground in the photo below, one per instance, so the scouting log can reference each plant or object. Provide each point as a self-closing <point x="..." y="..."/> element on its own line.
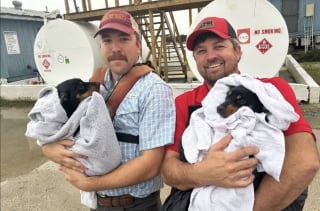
<point x="312" y="113"/>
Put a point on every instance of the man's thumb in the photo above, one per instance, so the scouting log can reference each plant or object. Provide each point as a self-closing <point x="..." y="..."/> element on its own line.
<point x="222" y="143"/>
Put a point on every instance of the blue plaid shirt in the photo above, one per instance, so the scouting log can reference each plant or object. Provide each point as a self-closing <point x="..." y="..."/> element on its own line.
<point x="147" y="111"/>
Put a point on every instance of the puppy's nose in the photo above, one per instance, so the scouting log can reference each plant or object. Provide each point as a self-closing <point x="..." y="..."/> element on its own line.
<point x="95" y="85"/>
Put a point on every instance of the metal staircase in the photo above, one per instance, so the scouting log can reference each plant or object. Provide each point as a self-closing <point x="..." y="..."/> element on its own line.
<point x="166" y="49"/>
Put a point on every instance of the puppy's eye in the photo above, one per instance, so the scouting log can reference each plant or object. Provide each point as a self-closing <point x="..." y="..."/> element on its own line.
<point x="82" y="88"/>
<point x="241" y="101"/>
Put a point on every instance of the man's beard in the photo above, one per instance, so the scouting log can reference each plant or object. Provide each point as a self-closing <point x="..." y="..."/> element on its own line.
<point x="212" y="80"/>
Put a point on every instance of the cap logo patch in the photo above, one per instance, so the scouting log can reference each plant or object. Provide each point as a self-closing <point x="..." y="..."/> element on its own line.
<point x="116" y="17"/>
<point x="206" y="24"/>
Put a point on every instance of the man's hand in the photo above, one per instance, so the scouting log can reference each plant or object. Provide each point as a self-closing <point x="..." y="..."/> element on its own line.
<point x="218" y="168"/>
<point x="228" y="169"/>
<point x="58" y="152"/>
<point x="77" y="179"/>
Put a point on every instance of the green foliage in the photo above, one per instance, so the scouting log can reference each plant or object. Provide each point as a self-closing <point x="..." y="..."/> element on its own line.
<point x="313" y="69"/>
<point x="310" y="56"/>
<point x="19" y="103"/>
<point x="310" y="61"/>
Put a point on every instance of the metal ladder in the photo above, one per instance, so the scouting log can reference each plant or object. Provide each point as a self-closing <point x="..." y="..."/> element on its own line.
<point x="308" y="33"/>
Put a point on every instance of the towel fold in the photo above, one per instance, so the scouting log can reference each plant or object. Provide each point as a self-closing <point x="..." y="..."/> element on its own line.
<point x="247" y="129"/>
<point x="96" y="138"/>
<point x="267" y="93"/>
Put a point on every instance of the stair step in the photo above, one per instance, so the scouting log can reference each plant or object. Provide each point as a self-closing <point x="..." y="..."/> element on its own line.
<point x="174" y="51"/>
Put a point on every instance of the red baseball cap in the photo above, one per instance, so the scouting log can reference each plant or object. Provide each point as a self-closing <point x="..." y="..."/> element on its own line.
<point x="119" y="20"/>
<point x="219" y="26"/>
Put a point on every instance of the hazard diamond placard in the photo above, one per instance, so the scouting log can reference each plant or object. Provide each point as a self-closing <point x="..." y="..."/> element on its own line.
<point x="263" y="46"/>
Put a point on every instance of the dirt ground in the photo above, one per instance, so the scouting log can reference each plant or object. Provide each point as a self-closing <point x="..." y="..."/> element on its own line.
<point x="312" y="114"/>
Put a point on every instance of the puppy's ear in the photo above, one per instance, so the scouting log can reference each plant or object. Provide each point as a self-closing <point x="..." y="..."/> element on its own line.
<point x="230" y="90"/>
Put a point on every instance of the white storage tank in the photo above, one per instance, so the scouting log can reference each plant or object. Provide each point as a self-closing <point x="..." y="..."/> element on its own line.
<point x="261" y="31"/>
<point x="65" y="49"/>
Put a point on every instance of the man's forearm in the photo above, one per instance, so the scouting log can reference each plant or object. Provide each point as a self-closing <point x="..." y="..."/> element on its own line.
<point x="272" y="195"/>
<point x="173" y="170"/>
<point x="142" y="168"/>
<point x="300" y="166"/>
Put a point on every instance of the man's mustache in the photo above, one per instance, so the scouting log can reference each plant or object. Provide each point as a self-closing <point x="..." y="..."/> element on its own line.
<point x="117" y="57"/>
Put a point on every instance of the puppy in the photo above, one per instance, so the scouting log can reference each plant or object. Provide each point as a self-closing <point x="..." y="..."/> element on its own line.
<point x="71" y="92"/>
<point x="238" y="96"/>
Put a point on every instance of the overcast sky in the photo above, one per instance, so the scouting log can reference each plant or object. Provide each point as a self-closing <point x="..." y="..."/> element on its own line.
<point x="40" y="5"/>
<point x="50" y="5"/>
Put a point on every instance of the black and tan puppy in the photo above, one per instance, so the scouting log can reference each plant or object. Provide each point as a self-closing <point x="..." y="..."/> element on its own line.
<point x="239" y="96"/>
<point x="73" y="91"/>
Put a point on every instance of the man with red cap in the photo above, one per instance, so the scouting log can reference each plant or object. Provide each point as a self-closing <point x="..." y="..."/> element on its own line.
<point x="217" y="52"/>
<point x="144" y="123"/>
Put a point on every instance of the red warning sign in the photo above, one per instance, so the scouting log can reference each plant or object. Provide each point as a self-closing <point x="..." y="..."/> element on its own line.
<point x="46" y="64"/>
<point x="243" y="35"/>
<point x="263" y="46"/>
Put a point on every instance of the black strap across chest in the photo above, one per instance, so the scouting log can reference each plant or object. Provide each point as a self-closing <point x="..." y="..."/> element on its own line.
<point x="128" y="138"/>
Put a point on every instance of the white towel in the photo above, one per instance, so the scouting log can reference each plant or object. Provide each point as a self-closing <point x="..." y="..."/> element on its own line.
<point x="248" y="129"/>
<point x="96" y="139"/>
